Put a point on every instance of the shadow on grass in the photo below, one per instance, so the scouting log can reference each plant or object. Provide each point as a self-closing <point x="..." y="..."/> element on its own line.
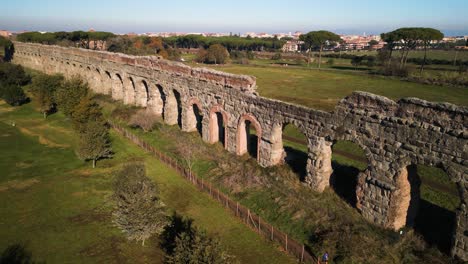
<point x="349" y="68"/>
<point x="344" y="181"/>
<point x="178" y="225"/>
<point x="297" y="160"/>
<point x="436" y="225"/>
<point x="17" y="254"/>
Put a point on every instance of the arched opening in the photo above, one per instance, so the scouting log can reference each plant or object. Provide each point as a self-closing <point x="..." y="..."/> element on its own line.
<point x="156" y="100"/>
<point x="142" y="94"/>
<point x="107" y="83"/>
<point x="290" y="147"/>
<point x="117" y="87"/>
<point x="249" y="133"/>
<point x="173" y="109"/>
<point x="194" y="116"/>
<point x="426" y="200"/>
<point x="218" y="122"/>
<point x="130" y="92"/>
<point x="348" y="160"/>
<point x="179" y="107"/>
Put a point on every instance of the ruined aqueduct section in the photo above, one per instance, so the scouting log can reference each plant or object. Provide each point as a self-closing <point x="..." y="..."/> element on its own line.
<point x="394" y="135"/>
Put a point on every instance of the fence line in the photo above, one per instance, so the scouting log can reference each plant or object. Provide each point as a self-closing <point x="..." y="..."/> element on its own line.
<point x="250" y="219"/>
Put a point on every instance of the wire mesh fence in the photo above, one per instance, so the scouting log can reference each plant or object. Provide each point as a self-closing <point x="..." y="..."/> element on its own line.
<point x="249" y="218"/>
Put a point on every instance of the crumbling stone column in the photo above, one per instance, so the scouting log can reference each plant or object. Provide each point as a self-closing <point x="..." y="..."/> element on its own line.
<point x="189" y="121"/>
<point x="319" y="168"/>
<point x="460" y="239"/>
<point x="206" y="129"/>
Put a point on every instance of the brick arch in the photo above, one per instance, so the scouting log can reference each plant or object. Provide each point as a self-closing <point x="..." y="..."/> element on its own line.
<point x="214" y="133"/>
<point x="241" y="141"/>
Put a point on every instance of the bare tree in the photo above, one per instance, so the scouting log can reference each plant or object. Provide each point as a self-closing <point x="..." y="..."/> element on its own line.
<point x="145" y="119"/>
<point x="188" y="151"/>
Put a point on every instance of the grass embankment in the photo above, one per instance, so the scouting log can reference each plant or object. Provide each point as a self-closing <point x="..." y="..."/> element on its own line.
<point x="60" y="208"/>
<point x="322" y="221"/>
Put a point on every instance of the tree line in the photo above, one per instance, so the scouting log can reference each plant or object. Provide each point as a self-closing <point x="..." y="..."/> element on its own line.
<point x="72" y="97"/>
<point x="229" y="42"/>
<point x="80" y="39"/>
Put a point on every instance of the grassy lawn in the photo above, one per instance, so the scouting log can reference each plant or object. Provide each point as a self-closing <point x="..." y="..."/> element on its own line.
<point x="323" y="89"/>
<point x="60" y="208"/>
<point x="431" y="54"/>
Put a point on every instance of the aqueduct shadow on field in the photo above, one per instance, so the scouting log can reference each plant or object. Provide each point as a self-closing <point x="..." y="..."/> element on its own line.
<point x="348" y="161"/>
<point x="427" y="204"/>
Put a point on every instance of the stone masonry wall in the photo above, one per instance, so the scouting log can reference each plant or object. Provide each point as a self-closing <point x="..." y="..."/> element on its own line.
<point x="393" y="134"/>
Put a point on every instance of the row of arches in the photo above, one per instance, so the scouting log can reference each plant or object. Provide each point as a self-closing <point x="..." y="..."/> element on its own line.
<point x="245" y="134"/>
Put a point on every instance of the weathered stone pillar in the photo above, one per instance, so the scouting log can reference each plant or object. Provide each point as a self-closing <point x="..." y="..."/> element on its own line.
<point x="319" y="167"/>
<point x="189" y="121"/>
<point x="206" y="129"/>
<point x="170" y="110"/>
<point x="271" y="146"/>
<point x="460" y="238"/>
<point x="231" y="138"/>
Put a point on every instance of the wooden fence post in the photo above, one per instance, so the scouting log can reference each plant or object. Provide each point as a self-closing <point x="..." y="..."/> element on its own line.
<point x="259" y="224"/>
<point x="286" y="241"/>
<point x="272" y="231"/>
<point x="302" y="254"/>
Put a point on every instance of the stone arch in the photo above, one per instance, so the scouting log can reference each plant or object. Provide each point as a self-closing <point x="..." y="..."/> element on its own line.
<point x="244" y="144"/>
<point x="411" y="205"/>
<point x="193" y="116"/>
<point x="156" y="99"/>
<point x="218" y="125"/>
<point x="117" y="87"/>
<point x="106" y="80"/>
<point x="294" y="153"/>
<point x="129" y="91"/>
<point x="142" y="95"/>
<point x="173" y="108"/>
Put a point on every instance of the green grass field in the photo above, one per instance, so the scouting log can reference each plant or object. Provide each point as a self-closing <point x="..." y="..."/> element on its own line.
<point x="431" y="54"/>
<point x="60" y="207"/>
<point x="323" y="89"/>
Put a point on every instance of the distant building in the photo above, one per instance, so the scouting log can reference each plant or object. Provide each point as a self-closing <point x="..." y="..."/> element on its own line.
<point x="356" y="42"/>
<point x="292" y="45"/>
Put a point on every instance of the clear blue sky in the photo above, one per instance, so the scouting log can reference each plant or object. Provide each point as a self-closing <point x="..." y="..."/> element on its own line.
<point x="341" y="16"/>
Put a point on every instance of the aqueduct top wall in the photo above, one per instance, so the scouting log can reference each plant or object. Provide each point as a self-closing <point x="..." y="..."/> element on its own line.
<point x="393" y="134"/>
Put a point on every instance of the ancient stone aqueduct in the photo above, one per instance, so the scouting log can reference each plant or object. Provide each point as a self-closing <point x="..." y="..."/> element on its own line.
<point x="394" y="135"/>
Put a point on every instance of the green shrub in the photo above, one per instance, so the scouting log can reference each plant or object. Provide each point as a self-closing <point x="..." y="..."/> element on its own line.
<point x="13" y="94"/>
